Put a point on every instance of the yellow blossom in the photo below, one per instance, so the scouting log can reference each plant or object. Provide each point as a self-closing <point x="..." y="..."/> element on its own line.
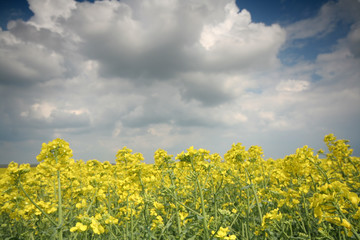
<point x="96" y="227"/>
<point x="79" y="227"/>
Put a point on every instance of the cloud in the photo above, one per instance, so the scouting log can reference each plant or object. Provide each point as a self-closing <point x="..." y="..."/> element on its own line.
<point x="170" y="74"/>
<point x="325" y="21"/>
<point x="26" y="63"/>
<point x="209" y="90"/>
<point x="48" y="13"/>
<point x="42" y="110"/>
<point x="292" y="86"/>
<point x="354" y="41"/>
<point x="318" y="26"/>
<point x="128" y="43"/>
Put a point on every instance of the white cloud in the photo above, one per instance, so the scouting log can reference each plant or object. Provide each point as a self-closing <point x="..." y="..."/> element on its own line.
<point x="292" y="86"/>
<point x="237" y="33"/>
<point x="42" y="110"/>
<point x="319" y="25"/>
<point x="153" y="41"/>
<point x="234" y="118"/>
<point x="23" y="62"/>
<point x="354" y="41"/>
<point x="267" y="115"/>
<point x="169" y="74"/>
<point x="326" y="20"/>
<point x="238" y="43"/>
<point x="211" y="35"/>
<point x="49" y="13"/>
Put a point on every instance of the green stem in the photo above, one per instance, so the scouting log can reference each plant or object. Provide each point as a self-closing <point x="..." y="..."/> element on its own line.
<point x="37" y="206"/>
<point x="355" y="167"/>
<point x="206" y="232"/>
<point x="60" y="212"/>
<point x="215" y="204"/>
<point x="357" y="236"/>
<point x="60" y="207"/>
<point x="321" y="170"/>
<point x="190" y="209"/>
<point x="146" y="210"/>
<point x="176" y="203"/>
<point x="92" y="201"/>
<point x="203" y="210"/>
<point x="131" y="223"/>
<point x="255" y="195"/>
<point x="307" y="215"/>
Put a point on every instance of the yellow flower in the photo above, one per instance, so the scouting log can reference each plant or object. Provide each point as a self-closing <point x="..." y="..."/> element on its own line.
<point x="55" y="152"/>
<point x="222" y="233"/>
<point x="191" y="151"/>
<point x="82" y="204"/>
<point x="79" y="227"/>
<point x="272" y="215"/>
<point x="157" y="222"/>
<point x="318" y="213"/>
<point x="96" y="227"/>
<point x="111" y="220"/>
<point x="158" y="206"/>
<point x="354" y="198"/>
<point x="101" y="194"/>
<point x="98" y="216"/>
<point x="357" y="214"/>
<point x="231" y="237"/>
<point x="339" y="222"/>
<point x="183" y="215"/>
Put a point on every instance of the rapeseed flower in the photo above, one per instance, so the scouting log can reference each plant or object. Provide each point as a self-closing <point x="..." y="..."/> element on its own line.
<point x="222" y="233"/>
<point x="272" y="215"/>
<point x="96" y="226"/>
<point x="79" y="227"/>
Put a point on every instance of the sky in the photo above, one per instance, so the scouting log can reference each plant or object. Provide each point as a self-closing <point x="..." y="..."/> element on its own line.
<point x="172" y="74"/>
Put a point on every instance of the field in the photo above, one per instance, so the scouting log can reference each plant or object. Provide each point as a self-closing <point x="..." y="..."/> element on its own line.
<point x="196" y="195"/>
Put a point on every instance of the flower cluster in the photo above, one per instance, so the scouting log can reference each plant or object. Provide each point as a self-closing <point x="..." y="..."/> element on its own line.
<point x="56" y="153"/>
